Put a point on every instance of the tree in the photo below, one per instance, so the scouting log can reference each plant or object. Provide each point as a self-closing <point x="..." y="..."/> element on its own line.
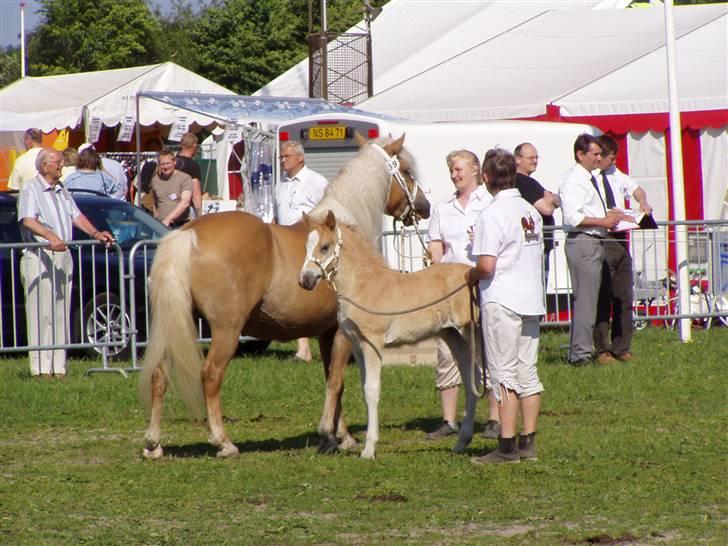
<point x="9" y="65"/>
<point x="86" y="35"/>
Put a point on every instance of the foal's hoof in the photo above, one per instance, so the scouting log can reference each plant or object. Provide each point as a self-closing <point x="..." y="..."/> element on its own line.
<point x="367" y="453"/>
<point x="228" y="451"/>
<point x="153" y="454"/>
<point x="347" y="442"/>
<point x="328" y="445"/>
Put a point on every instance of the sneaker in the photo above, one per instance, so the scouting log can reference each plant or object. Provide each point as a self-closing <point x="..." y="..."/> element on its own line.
<point x="527" y="447"/>
<point x="492" y="429"/>
<point x="446" y="429"/>
<point x="507" y="453"/>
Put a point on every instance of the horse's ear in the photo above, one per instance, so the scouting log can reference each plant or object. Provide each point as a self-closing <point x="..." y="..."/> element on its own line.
<point x="395" y="147"/>
<point x="330" y="220"/>
<point x="360" y="140"/>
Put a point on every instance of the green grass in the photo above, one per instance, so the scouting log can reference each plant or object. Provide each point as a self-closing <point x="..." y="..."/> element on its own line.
<point x="628" y="454"/>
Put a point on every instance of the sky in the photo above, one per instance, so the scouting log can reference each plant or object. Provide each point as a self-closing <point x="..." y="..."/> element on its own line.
<point x="10" y="18"/>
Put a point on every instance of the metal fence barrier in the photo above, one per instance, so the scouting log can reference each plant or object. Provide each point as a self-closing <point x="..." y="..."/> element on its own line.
<point x="110" y="312"/>
<point x="655" y="284"/>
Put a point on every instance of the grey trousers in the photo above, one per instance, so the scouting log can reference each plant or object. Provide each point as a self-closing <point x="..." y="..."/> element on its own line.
<point x="584" y="255"/>
<point x="615" y="299"/>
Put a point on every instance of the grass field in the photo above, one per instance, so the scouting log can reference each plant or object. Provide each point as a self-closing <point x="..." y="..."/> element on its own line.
<point x="628" y="454"/>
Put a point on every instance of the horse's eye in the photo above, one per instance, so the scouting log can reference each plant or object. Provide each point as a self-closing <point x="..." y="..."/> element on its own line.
<point x="325" y="248"/>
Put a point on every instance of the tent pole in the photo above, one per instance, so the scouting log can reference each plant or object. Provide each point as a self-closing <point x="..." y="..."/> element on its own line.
<point x="678" y="181"/>
<point x="138" y="195"/>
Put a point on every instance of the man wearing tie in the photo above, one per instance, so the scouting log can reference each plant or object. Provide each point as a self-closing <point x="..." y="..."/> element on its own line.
<point x="616" y="292"/>
<point x="588" y="219"/>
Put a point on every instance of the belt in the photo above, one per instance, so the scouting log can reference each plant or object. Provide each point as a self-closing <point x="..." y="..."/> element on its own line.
<point x="574" y="234"/>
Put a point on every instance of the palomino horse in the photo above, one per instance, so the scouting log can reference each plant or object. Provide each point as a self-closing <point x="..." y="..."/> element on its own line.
<point x="240" y="275"/>
<point x="379" y="306"/>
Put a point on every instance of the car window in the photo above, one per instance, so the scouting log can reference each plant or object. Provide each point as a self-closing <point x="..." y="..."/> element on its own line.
<point x="127" y="223"/>
<point x="9" y="227"/>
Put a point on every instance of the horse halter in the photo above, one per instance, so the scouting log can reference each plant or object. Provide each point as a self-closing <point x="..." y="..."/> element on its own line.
<point x="323" y="265"/>
<point x="393" y="164"/>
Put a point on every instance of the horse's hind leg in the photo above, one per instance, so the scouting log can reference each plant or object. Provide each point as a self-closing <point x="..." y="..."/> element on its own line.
<point x="460" y="349"/>
<point x="153" y="448"/>
<point x="222" y="347"/>
<point x="370" y="364"/>
<point x="335" y="353"/>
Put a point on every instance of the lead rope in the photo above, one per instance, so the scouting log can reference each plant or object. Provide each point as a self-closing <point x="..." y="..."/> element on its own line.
<point x="476" y="332"/>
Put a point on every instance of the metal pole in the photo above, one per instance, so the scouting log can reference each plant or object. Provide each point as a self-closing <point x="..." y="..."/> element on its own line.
<point x="323" y="44"/>
<point x="22" y="39"/>
<point x="678" y="181"/>
<point x="138" y="196"/>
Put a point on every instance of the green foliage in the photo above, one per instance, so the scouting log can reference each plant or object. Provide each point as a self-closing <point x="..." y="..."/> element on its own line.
<point x="86" y="35"/>
<point x="9" y="65"/>
<point x="628" y="454"/>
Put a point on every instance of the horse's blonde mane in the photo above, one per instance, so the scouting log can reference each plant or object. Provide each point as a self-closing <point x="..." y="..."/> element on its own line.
<point x="359" y="191"/>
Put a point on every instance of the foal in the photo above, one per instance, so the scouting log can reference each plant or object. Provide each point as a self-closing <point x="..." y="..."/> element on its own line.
<point x="378" y="306"/>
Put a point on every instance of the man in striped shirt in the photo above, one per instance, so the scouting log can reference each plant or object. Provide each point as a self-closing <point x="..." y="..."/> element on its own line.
<point x="47" y="214"/>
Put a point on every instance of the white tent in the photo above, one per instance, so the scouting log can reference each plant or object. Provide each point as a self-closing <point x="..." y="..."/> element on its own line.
<point x="518" y="73"/>
<point x="411" y="36"/>
<point x="59" y="102"/>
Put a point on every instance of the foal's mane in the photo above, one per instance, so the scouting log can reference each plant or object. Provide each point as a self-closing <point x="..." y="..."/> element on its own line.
<point x="358" y="193"/>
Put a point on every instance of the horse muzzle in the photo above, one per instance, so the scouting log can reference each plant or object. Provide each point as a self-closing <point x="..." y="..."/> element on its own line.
<point x="308" y="279"/>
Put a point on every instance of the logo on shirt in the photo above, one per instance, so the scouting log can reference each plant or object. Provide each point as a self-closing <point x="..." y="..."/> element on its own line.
<point x="529" y="228"/>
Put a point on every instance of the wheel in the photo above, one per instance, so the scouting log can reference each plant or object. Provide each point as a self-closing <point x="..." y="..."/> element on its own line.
<point x="640" y="323"/>
<point x="252" y="347"/>
<point x="103" y="321"/>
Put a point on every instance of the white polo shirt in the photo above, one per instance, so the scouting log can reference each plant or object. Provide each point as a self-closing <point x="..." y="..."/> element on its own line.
<point x="299" y="194"/>
<point x="51" y="206"/>
<point x="23" y="169"/>
<point x="580" y="199"/>
<point x="511" y="229"/>
<point x="450" y="221"/>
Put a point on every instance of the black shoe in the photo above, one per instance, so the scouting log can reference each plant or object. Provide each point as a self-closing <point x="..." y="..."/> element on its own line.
<point x="445" y="429"/>
<point x="527" y="447"/>
<point x="507" y="453"/>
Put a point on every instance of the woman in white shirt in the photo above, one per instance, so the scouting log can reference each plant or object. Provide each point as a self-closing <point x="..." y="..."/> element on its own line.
<point x="451" y="241"/>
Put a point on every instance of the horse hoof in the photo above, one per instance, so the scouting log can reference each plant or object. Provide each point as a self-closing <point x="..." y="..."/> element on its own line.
<point x="328" y="445"/>
<point x="153" y="454"/>
<point x="461" y="445"/>
<point x="228" y="451"/>
<point x="367" y="453"/>
<point x="347" y="442"/>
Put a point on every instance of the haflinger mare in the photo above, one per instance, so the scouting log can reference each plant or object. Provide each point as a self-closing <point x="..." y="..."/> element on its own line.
<point x="240" y="273"/>
<point x="379" y="306"/>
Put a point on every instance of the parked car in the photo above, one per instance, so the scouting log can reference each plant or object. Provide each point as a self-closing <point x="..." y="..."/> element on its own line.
<point x="96" y="310"/>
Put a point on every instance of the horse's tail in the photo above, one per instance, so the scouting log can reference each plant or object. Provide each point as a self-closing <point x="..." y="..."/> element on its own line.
<point x="172" y="342"/>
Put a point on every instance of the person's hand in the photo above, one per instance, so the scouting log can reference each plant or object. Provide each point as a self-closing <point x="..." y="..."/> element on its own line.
<point x="646" y="208"/>
<point x="104" y="237"/>
<point x="470" y="277"/>
<point x="56" y="243"/>
<point x="612" y="219"/>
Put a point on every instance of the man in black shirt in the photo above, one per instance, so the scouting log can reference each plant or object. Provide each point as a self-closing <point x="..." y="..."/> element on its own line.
<point x="184" y="162"/>
<point x="543" y="200"/>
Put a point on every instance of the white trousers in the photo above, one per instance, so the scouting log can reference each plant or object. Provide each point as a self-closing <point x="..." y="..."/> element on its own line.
<point x="511" y="347"/>
<point x="46" y="276"/>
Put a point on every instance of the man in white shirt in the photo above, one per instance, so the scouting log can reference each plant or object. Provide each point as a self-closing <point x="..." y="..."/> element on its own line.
<point x="588" y="217"/>
<point x="24" y="167"/>
<point x="298" y="193"/>
<point x="616" y="292"/>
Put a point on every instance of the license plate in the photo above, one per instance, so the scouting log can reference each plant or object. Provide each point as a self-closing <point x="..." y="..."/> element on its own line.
<point x="331" y="132"/>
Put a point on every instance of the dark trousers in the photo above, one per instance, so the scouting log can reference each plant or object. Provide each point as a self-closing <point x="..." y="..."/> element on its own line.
<point x="615" y="299"/>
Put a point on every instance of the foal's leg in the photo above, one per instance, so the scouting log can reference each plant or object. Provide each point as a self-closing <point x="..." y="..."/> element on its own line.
<point x="222" y="347"/>
<point x="335" y="353"/>
<point x="370" y="365"/>
<point x="153" y="448"/>
<point x="460" y="348"/>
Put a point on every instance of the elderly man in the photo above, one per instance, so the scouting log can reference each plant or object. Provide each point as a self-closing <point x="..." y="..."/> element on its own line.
<point x="587" y="215"/>
<point x="24" y="168"/>
<point x="298" y="193"/>
<point x="46" y="213"/>
<point x="172" y="191"/>
<point x="532" y="191"/>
